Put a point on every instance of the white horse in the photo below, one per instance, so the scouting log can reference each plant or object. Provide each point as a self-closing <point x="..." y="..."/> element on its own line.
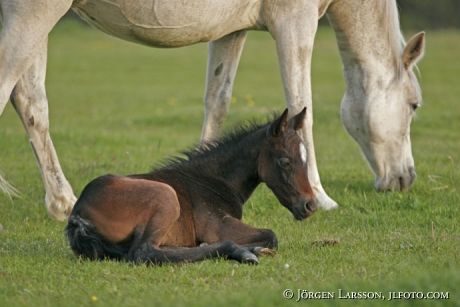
<point x="382" y="90"/>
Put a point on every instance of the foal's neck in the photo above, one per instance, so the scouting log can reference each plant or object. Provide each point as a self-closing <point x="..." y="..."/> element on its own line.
<point x="236" y="164"/>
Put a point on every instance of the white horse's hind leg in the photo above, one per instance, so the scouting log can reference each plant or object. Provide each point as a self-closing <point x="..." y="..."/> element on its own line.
<point x="294" y="29"/>
<point x="29" y="100"/>
<point x="223" y="58"/>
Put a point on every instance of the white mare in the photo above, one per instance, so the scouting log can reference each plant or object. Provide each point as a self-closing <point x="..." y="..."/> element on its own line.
<point x="382" y="91"/>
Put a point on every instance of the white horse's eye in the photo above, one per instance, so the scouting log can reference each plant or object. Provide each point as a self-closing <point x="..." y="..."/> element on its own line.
<point x="414" y="106"/>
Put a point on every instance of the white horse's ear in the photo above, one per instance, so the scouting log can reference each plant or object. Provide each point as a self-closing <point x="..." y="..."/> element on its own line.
<point x="414" y="50"/>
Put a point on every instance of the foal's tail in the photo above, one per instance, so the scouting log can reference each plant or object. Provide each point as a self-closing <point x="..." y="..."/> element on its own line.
<point x="7" y="188"/>
<point x="85" y="241"/>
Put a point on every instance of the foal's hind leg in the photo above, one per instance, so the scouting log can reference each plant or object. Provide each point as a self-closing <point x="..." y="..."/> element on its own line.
<point x="226" y="249"/>
<point x="223" y="57"/>
<point x="29" y="100"/>
<point x="155" y="241"/>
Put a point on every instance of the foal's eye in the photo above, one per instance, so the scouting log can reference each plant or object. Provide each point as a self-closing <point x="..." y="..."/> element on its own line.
<point x="414" y="106"/>
<point x="284" y="162"/>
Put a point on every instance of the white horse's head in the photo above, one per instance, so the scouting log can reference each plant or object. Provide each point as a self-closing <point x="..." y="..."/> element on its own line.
<point x="378" y="111"/>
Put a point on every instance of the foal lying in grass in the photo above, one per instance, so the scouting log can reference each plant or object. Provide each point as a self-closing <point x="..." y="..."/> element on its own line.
<point x="191" y="209"/>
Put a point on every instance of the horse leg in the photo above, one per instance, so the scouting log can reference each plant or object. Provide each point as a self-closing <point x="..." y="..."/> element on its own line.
<point x="294" y="28"/>
<point x="258" y="241"/>
<point x="153" y="242"/>
<point x="26" y="25"/>
<point x="223" y="57"/>
<point x="29" y="100"/>
<point x="225" y="249"/>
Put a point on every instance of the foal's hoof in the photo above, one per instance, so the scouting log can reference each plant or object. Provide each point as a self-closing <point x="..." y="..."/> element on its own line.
<point x="249" y="258"/>
<point x="263" y="251"/>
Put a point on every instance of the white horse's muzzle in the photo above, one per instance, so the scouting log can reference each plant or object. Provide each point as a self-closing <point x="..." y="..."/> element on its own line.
<point x="396" y="182"/>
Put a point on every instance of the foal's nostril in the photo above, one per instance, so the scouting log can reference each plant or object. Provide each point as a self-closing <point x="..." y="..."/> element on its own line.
<point x="311" y="206"/>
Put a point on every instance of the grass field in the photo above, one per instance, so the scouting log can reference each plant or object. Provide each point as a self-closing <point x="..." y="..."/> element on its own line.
<point x="116" y="107"/>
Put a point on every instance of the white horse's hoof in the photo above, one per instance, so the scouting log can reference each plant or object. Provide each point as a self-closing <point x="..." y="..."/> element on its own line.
<point x="326" y="202"/>
<point x="60" y="206"/>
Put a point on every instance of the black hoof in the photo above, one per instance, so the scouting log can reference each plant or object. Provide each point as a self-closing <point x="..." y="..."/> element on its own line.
<point x="263" y="251"/>
<point x="249" y="258"/>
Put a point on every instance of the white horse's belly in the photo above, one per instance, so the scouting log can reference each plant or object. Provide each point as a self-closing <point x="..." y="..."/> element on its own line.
<point x="169" y="23"/>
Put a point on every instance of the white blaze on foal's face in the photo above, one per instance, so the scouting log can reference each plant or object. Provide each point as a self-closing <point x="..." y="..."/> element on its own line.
<point x="303" y="153"/>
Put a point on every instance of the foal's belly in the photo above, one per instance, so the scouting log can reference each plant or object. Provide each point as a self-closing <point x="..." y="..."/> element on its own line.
<point x="169" y="23"/>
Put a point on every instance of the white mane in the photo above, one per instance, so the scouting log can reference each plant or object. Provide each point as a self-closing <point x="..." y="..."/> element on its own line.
<point x="396" y="39"/>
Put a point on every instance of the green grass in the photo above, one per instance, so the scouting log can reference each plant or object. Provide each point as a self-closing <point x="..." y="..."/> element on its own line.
<point x="116" y="107"/>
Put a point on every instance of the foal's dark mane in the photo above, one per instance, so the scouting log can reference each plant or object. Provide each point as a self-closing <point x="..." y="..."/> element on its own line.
<point x="221" y="172"/>
<point x="229" y="140"/>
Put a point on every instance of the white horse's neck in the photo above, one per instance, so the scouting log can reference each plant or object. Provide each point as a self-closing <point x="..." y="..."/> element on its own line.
<point x="368" y="37"/>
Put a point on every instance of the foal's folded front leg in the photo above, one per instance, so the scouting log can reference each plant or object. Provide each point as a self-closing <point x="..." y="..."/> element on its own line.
<point x="258" y="241"/>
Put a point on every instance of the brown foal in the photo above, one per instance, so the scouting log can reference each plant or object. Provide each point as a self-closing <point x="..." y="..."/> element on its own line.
<point x="191" y="209"/>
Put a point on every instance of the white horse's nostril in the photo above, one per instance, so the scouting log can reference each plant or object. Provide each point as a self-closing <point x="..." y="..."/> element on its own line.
<point x="400" y="182"/>
<point x="412" y="173"/>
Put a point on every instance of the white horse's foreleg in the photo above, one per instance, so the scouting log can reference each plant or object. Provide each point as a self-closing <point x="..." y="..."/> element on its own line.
<point x="294" y="32"/>
<point x="29" y="100"/>
<point x="26" y="24"/>
<point x="223" y="58"/>
<point x="23" y="39"/>
<point x="12" y="65"/>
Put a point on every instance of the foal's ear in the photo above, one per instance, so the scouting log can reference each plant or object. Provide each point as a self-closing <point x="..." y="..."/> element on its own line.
<point x="414" y="50"/>
<point x="279" y="125"/>
<point x="297" y="121"/>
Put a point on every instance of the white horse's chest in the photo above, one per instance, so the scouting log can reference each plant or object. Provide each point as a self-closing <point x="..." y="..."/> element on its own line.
<point x="168" y="23"/>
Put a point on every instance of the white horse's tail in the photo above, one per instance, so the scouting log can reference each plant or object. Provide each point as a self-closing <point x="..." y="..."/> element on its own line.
<point x="7" y="188"/>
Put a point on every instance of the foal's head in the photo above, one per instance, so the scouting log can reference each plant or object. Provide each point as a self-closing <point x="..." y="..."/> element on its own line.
<point x="283" y="165"/>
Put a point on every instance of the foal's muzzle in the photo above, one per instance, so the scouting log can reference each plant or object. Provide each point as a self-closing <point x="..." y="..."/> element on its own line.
<point x="304" y="209"/>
